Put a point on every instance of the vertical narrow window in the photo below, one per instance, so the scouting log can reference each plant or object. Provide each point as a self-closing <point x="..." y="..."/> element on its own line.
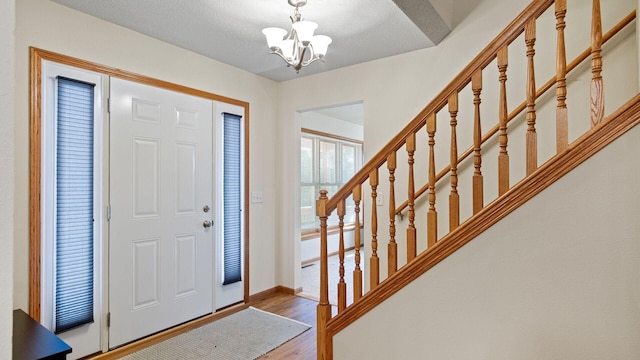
<point x="74" y="194"/>
<point x="348" y="162"/>
<point x="308" y="189"/>
<point x="232" y="190"/>
<point x="327" y="162"/>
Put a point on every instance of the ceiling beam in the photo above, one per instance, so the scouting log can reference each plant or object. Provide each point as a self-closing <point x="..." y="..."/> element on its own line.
<point x="425" y="16"/>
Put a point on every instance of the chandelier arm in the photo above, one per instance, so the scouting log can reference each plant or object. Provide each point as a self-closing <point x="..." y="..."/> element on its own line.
<point x="312" y="60"/>
<point x="282" y="57"/>
<point x="300" y="63"/>
<point x="312" y="56"/>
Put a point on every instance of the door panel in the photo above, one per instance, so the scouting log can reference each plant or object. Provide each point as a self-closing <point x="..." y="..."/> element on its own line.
<point x="146" y="179"/>
<point x="145" y="273"/>
<point x="185" y="265"/>
<point x="161" y="178"/>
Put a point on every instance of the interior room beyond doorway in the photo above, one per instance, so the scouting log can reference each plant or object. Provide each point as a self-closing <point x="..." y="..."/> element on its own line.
<point x="331" y="152"/>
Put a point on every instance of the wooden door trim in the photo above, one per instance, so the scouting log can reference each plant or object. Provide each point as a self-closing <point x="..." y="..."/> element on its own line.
<point x="37" y="56"/>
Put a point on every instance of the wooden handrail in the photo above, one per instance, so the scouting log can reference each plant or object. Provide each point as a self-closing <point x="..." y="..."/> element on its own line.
<point x="614" y="126"/>
<point x="484" y="58"/>
<point x="484" y="215"/>
<point x="518" y="110"/>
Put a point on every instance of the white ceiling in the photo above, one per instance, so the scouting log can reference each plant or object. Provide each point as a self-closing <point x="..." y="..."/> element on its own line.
<point x="230" y="30"/>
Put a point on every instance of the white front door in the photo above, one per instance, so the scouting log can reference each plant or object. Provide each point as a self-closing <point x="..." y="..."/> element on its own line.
<point x="160" y="265"/>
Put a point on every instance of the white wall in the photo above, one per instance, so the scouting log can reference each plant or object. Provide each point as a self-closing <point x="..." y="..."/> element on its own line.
<point x="559" y="278"/>
<point x="7" y="121"/>
<point x="50" y="26"/>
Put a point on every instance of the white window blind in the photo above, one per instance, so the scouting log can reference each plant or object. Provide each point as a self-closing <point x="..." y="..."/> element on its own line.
<point x="232" y="192"/>
<point x="74" y="219"/>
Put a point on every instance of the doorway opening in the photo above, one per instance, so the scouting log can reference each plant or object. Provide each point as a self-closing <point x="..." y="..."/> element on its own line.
<point x="331" y="152"/>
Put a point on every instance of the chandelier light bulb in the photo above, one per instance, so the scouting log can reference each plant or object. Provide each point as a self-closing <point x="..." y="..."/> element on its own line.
<point x="320" y="44"/>
<point x="274" y="37"/>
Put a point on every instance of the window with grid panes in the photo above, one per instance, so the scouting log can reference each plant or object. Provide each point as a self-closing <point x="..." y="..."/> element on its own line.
<point x="326" y="163"/>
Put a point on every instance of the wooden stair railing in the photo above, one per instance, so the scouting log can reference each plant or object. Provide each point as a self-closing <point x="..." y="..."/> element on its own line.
<point x="562" y="125"/>
<point x="426" y="120"/>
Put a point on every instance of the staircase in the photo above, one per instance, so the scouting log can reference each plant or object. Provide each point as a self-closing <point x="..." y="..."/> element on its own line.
<point x="412" y="236"/>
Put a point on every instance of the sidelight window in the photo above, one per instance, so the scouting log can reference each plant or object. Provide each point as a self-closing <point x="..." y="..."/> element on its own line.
<point x="71" y="198"/>
<point x="74" y="240"/>
<point x="232" y="192"/>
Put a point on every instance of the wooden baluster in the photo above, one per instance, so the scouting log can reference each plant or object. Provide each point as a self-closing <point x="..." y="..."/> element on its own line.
<point x="503" y="114"/>
<point x="476" y="86"/>
<point x="392" y="247"/>
<point x="323" y="313"/>
<point x="597" y="85"/>
<point x="454" y="198"/>
<point x="357" y="272"/>
<point x="562" y="116"/>
<point x="374" y="273"/>
<point x="342" y="285"/>
<point x="411" y="229"/>
<point x="532" y="136"/>
<point x="432" y="214"/>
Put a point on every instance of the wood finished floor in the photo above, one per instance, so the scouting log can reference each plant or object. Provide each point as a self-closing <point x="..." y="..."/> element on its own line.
<point x="302" y="347"/>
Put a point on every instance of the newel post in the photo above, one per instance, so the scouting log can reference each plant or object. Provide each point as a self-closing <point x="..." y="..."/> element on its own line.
<point x="324" y="345"/>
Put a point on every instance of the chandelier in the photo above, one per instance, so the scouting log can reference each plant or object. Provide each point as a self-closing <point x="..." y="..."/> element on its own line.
<point x="297" y="47"/>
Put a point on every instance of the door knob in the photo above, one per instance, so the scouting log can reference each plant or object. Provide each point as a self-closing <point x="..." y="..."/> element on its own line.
<point x="207" y="224"/>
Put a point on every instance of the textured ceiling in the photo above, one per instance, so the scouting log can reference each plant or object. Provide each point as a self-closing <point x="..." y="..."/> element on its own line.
<point x="230" y="30"/>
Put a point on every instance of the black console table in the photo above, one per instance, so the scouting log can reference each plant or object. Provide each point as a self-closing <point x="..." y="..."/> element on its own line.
<point x="32" y="341"/>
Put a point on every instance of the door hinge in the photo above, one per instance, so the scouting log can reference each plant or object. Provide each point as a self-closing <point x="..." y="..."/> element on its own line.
<point x="108" y="319"/>
<point x="109" y="105"/>
<point x="109" y="212"/>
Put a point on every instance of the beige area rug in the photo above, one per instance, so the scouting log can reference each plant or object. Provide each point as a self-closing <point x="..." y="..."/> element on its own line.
<point x="245" y="335"/>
